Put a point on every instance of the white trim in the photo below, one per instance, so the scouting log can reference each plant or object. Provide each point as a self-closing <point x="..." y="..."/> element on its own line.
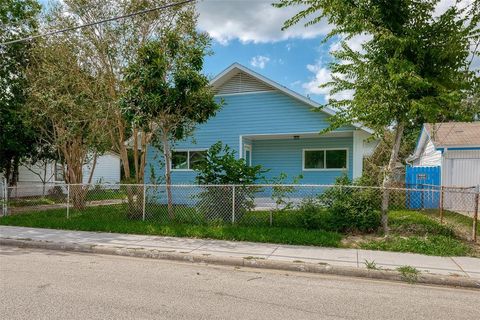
<point x="188" y="158"/>
<point x="359" y="138"/>
<point x="240" y="146"/>
<point x="223" y="76"/>
<point x="247" y="147"/>
<point x="325" y="159"/>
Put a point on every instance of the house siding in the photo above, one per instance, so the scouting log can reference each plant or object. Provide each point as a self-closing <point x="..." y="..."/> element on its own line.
<point x="107" y="169"/>
<point x="252" y="114"/>
<point x="430" y="156"/>
<point x="461" y="168"/>
<point x="286" y="155"/>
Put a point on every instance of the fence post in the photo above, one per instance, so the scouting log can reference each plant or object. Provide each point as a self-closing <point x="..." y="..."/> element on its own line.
<point x="144" y="199"/>
<point x="475" y="215"/>
<point x="5" y="212"/>
<point x="441" y="205"/>
<point x="233" y="204"/>
<point x="68" y="201"/>
<point x="4" y="201"/>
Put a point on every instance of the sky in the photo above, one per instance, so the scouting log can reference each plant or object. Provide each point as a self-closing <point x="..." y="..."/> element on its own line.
<point x="249" y="32"/>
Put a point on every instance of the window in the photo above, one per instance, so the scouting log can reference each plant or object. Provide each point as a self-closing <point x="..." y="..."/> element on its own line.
<point x="188" y="160"/>
<point x="324" y="159"/>
<point x="59" y="172"/>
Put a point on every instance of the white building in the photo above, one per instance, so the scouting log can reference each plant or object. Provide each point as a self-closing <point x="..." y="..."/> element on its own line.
<point x="38" y="178"/>
<point x="455" y="148"/>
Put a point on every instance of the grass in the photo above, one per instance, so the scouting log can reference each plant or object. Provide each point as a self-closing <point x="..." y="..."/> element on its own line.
<point x="409" y="273"/>
<point x="415" y="232"/>
<point x="114" y="219"/>
<point x="411" y="231"/>
<point x="434" y="245"/>
<point x="459" y="222"/>
<point x="92" y="195"/>
<point x="104" y="194"/>
<point x="30" y="202"/>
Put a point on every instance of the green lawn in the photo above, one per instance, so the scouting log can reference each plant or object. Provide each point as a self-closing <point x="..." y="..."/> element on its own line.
<point x="114" y="219"/>
<point x="412" y="231"/>
<point x="416" y="232"/>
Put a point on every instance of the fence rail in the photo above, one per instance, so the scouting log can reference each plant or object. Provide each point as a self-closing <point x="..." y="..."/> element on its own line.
<point x="259" y="204"/>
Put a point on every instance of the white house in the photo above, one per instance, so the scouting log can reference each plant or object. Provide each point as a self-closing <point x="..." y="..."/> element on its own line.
<point x="452" y="146"/>
<point x="447" y="154"/>
<point x="33" y="179"/>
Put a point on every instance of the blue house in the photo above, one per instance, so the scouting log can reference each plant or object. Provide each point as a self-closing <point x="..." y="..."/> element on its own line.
<point x="270" y="125"/>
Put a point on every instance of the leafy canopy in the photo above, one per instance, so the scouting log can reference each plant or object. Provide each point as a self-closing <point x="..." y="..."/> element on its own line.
<point x="17" y="20"/>
<point x="221" y="166"/>
<point x="413" y="69"/>
<point x="166" y="85"/>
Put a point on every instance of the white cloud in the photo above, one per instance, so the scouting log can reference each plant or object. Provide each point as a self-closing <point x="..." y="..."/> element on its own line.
<point x="355" y="43"/>
<point x="252" y="21"/>
<point x="321" y="76"/>
<point x="259" y="61"/>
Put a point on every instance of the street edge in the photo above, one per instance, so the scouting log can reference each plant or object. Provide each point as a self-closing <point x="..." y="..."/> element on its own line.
<point x="250" y="262"/>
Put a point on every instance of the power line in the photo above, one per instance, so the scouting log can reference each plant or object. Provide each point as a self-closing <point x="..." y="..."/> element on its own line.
<point x="90" y="24"/>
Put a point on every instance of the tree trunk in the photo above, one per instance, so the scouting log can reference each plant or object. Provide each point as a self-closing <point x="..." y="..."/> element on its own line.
<point x="168" y="178"/>
<point x="387" y="179"/>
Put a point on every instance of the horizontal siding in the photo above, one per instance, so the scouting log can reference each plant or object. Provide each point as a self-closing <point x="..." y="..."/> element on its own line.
<point x="285" y="156"/>
<point x="246" y="114"/>
<point x="278" y="156"/>
<point x="429" y="156"/>
<point x="107" y="170"/>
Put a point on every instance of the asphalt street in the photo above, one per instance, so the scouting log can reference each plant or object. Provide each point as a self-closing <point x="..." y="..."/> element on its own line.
<point x="39" y="284"/>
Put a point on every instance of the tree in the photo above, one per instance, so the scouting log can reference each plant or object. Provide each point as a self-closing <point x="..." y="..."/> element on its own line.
<point x="65" y="108"/>
<point x="110" y="48"/>
<point x="414" y="69"/>
<point x="18" y="18"/>
<point x="166" y="92"/>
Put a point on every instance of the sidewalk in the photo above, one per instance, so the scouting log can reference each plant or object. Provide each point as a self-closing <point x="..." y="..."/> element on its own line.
<point x="456" y="266"/>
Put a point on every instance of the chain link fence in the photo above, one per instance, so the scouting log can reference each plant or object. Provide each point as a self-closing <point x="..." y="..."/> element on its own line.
<point x="246" y="205"/>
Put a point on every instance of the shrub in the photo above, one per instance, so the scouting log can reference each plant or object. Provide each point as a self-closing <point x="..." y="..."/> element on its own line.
<point x="352" y="208"/>
<point x="221" y="167"/>
<point x="312" y="215"/>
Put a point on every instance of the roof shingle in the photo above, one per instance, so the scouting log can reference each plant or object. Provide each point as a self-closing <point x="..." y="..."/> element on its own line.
<point x="454" y="133"/>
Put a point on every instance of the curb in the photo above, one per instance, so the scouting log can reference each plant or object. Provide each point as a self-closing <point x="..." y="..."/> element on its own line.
<point x="391" y="275"/>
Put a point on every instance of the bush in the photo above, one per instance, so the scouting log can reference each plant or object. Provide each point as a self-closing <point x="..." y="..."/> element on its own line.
<point x="313" y="216"/>
<point x="352" y="208"/>
<point x="221" y="167"/>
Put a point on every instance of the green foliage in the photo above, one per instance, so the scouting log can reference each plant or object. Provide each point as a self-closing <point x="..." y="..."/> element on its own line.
<point x="221" y="167"/>
<point x="435" y="245"/>
<point x="409" y="273"/>
<point x="312" y="215"/>
<point x="281" y="193"/>
<point x="165" y="84"/>
<point x="413" y="68"/>
<point x="114" y="219"/>
<point x="18" y="18"/>
<point x="352" y="208"/>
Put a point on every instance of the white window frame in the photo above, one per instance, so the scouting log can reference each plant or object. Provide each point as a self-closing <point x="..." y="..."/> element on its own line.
<point x="248" y="147"/>
<point x="188" y="158"/>
<point x="325" y="159"/>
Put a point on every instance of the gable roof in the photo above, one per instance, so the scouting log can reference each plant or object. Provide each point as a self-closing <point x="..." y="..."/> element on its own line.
<point x="447" y="135"/>
<point x="454" y="134"/>
<point x="236" y="68"/>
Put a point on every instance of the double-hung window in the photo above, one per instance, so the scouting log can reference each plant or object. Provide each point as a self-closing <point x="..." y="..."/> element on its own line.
<point x="325" y="159"/>
<point x="188" y="159"/>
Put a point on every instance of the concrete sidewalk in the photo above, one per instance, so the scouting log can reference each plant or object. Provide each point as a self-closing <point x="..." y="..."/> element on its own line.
<point x="456" y="266"/>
